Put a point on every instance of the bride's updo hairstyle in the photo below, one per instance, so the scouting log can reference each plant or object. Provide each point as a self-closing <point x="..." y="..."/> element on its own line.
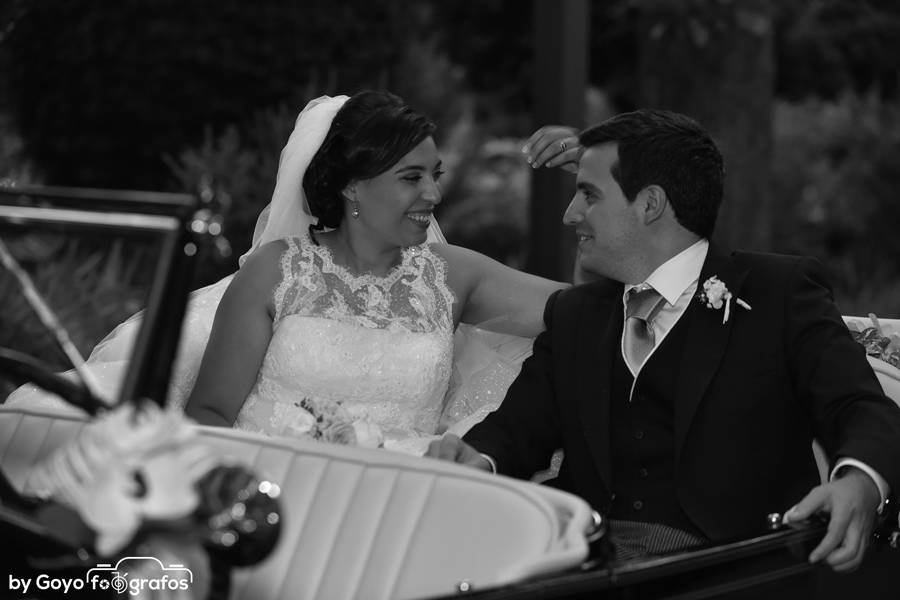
<point x="371" y="132"/>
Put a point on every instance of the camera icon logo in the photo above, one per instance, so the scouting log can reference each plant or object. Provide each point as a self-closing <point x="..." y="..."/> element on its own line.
<point x="108" y="575"/>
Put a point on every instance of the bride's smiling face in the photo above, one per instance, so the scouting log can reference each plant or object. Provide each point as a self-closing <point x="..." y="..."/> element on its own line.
<point x="397" y="204"/>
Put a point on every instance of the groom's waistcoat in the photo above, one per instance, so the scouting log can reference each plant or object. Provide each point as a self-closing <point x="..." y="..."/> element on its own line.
<point x="642" y="437"/>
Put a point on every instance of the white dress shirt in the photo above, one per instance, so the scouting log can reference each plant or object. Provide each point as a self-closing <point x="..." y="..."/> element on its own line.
<point x="676" y="281"/>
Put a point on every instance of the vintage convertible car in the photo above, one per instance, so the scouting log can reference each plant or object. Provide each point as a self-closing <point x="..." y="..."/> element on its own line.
<point x="339" y="522"/>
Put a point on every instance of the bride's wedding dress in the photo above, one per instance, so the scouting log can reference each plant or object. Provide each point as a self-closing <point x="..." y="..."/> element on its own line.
<point x="380" y="348"/>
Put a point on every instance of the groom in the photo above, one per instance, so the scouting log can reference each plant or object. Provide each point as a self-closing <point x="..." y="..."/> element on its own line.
<point x="686" y="395"/>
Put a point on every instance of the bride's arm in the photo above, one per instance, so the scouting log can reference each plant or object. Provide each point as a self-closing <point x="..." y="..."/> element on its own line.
<point x="238" y="341"/>
<point x="496" y="297"/>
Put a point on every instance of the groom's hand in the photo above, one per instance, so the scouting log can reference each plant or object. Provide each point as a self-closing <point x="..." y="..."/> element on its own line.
<point x="451" y="448"/>
<point x="850" y="501"/>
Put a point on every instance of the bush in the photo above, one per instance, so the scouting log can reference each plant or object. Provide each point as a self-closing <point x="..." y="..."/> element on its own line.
<point x="102" y="90"/>
<point x="244" y="168"/>
<point x="835" y="178"/>
<point x="487" y="198"/>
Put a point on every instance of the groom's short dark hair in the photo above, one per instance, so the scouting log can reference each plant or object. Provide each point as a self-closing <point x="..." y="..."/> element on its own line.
<point x="672" y="151"/>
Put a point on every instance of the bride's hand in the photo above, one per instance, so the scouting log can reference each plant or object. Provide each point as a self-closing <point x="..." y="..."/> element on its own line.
<point x="553" y="146"/>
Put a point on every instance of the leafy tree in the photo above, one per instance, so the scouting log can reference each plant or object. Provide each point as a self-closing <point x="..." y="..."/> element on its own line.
<point x="826" y="48"/>
<point x="715" y="62"/>
<point x="102" y="90"/>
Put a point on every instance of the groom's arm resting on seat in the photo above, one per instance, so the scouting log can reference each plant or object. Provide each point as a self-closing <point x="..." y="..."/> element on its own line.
<point x="884" y="490"/>
<point x="850" y="415"/>
<point x="850" y="502"/>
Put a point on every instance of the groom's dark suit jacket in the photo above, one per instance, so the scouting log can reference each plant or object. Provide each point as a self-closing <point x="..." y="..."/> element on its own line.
<point x="732" y="416"/>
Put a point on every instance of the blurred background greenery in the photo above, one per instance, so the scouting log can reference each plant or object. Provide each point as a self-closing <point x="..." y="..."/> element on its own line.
<point x="154" y="94"/>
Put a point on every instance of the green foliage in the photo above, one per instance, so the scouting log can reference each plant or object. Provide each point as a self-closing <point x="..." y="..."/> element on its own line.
<point x="102" y="90"/>
<point x="828" y="47"/>
<point x="836" y="184"/>
<point x="158" y="94"/>
<point x="491" y="40"/>
<point x="497" y="61"/>
<point x="244" y="167"/>
<point x="486" y="200"/>
<point x="823" y="47"/>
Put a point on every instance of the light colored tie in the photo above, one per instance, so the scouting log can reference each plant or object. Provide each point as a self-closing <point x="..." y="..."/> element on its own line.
<point x="640" y="308"/>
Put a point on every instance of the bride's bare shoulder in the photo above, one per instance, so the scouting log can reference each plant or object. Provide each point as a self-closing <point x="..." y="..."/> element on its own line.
<point x="463" y="265"/>
<point x="262" y="270"/>
<point x="458" y="257"/>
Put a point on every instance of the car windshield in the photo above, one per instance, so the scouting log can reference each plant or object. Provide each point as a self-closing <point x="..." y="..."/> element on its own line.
<point x="91" y="282"/>
<point x="74" y="268"/>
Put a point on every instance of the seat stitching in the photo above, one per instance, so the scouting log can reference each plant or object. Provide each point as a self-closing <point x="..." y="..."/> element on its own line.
<point x="318" y="482"/>
<point x="369" y="551"/>
<point x="333" y="544"/>
<point x="255" y="461"/>
<point x="393" y="583"/>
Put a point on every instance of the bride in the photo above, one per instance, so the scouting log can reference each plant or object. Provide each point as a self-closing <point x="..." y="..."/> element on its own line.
<point x="340" y="323"/>
<point x="354" y="325"/>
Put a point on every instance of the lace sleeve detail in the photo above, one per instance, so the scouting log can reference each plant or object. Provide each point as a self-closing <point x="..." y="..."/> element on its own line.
<point x="438" y="280"/>
<point x="440" y="267"/>
<point x="288" y="264"/>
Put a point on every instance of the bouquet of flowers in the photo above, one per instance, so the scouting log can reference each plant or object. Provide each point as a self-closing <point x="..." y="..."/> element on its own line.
<point x="141" y="482"/>
<point x="328" y="421"/>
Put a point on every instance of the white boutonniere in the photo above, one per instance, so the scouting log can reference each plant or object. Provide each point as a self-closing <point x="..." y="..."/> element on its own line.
<point x="715" y="294"/>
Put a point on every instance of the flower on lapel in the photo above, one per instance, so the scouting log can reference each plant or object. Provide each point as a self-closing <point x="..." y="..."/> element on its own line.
<point x="715" y="294"/>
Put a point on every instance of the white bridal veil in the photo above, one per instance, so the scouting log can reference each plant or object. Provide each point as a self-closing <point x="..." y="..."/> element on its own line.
<point x="287" y="214"/>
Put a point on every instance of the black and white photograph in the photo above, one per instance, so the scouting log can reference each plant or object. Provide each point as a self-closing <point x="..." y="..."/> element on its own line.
<point x="426" y="300"/>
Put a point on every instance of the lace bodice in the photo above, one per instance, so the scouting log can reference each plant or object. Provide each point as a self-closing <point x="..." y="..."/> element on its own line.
<point x="380" y="348"/>
<point x="413" y="296"/>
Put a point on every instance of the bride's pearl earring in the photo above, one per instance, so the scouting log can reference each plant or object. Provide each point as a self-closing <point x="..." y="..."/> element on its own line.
<point x="355" y="212"/>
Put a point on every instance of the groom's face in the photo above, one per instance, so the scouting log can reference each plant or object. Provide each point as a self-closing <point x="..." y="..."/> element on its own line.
<point x="606" y="223"/>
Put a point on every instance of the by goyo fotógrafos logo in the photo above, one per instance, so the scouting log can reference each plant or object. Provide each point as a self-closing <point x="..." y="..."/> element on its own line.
<point x="133" y="574"/>
<point x="130" y="575"/>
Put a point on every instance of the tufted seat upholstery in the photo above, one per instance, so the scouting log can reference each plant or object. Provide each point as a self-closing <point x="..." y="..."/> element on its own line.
<point x="366" y="524"/>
